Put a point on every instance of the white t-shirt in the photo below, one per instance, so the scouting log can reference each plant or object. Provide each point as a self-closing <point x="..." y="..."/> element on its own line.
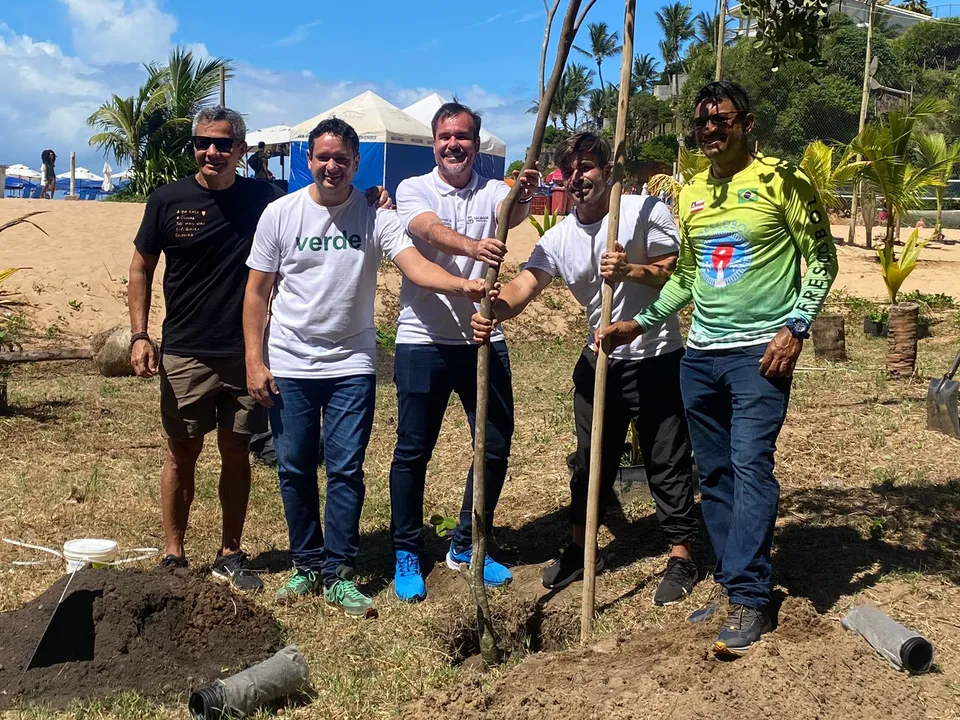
<point x="326" y="260"/>
<point x="572" y="251"/>
<point x="425" y="316"/>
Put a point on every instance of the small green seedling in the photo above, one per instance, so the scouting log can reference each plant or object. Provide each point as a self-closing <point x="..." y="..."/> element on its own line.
<point x="444" y="526"/>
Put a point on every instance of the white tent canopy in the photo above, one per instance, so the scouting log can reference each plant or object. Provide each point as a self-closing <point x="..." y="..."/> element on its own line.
<point x="81" y="173"/>
<point x="274" y="137"/>
<point x="424" y="110"/>
<point x="125" y="175"/>
<point x="374" y="119"/>
<point x="23" y="172"/>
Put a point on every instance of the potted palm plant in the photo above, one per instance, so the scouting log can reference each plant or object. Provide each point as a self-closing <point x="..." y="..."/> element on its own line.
<point x="904" y="318"/>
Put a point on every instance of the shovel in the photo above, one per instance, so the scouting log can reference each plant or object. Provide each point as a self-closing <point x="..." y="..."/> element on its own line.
<point x="942" y="403"/>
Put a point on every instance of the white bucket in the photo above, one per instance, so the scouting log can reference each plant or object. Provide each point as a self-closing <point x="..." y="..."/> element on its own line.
<point x="89" y="551"/>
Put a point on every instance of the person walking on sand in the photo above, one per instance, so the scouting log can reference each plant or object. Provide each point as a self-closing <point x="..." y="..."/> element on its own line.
<point x="48" y="160"/>
<point x="644" y="375"/>
<point x="204" y="225"/>
<point x="451" y="212"/>
<point x="745" y="224"/>
<point x="317" y="251"/>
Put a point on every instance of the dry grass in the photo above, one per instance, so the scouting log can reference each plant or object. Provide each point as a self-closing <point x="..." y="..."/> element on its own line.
<point x="870" y="508"/>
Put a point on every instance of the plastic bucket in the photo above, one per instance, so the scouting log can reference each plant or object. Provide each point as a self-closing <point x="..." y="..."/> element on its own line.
<point x="89" y="551"/>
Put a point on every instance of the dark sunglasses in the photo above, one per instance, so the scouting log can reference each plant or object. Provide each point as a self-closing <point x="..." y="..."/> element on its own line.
<point x="223" y="145"/>
<point x="719" y="120"/>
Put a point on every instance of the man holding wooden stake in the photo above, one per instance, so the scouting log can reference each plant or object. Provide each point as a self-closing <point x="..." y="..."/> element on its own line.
<point x="644" y="375"/>
<point x="745" y="224"/>
<point x="451" y="213"/>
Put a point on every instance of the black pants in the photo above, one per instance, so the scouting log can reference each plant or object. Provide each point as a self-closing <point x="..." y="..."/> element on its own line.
<point x="647" y="392"/>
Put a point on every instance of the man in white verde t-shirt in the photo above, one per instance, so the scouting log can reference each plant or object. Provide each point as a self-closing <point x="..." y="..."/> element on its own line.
<point x="451" y="213"/>
<point x="318" y="250"/>
<point x="644" y="377"/>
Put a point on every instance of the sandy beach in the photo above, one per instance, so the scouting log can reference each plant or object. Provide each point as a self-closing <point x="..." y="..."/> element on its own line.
<point x="72" y="281"/>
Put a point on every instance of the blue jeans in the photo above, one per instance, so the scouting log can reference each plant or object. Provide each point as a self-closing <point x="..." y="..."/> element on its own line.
<point x="734" y="415"/>
<point x="425" y="376"/>
<point x="346" y="405"/>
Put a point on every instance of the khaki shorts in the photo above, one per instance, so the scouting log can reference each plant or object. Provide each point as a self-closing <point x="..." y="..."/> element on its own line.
<point x="198" y="394"/>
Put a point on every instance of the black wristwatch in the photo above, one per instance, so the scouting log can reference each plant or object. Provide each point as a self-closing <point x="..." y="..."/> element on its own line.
<point x="139" y="336"/>
<point x="799" y="327"/>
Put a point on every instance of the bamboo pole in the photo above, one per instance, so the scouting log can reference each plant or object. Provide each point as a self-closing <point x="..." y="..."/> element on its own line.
<point x="223" y="86"/>
<point x="489" y="651"/>
<point x="606" y="309"/>
<point x="721" y="36"/>
<point x="864" y="101"/>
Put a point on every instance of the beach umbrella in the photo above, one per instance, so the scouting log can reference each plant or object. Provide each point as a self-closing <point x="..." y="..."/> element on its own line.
<point x="22" y="172"/>
<point x="81" y="174"/>
<point x="107" y="178"/>
<point x="124" y="176"/>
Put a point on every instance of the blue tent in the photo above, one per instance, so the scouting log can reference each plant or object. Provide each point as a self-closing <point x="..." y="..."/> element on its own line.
<point x="393" y="145"/>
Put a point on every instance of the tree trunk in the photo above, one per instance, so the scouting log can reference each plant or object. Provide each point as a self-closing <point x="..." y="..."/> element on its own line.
<point x="868" y="208"/>
<point x="829" y="337"/>
<point x="902" y="340"/>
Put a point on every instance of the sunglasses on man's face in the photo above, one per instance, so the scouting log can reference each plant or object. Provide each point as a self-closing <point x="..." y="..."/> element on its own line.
<point x="223" y="145"/>
<point x="720" y="120"/>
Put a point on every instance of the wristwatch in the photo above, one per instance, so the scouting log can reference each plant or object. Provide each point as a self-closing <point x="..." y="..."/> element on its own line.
<point x="799" y="327"/>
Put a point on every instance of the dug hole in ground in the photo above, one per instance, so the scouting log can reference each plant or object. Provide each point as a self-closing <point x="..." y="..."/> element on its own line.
<point x="869" y="514"/>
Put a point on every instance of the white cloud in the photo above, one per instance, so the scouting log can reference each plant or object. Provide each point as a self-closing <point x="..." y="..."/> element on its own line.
<point x="299" y="35"/>
<point x="489" y="20"/>
<point x="532" y="16"/>
<point x="120" y="31"/>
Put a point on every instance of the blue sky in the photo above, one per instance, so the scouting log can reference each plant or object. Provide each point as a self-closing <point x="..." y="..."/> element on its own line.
<point x="59" y="59"/>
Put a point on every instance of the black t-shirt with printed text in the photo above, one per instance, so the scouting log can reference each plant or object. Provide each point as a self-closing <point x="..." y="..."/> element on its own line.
<point x="206" y="237"/>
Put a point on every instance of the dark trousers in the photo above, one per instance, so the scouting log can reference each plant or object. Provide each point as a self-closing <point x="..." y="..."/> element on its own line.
<point x="735" y="415"/>
<point x="647" y="392"/>
<point x="347" y="406"/>
<point x="425" y="376"/>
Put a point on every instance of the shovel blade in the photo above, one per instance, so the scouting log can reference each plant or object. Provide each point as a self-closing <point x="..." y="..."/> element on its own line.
<point x="70" y="634"/>
<point x="942" y="401"/>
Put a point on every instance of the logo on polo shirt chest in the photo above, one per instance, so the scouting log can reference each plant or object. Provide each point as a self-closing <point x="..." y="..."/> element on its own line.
<point x="329" y="242"/>
<point x="477" y="219"/>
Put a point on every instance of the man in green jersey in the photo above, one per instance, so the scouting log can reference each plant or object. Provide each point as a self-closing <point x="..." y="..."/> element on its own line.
<point x="745" y="223"/>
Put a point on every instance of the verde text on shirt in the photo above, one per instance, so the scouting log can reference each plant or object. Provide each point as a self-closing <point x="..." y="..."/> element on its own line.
<point x="339" y="242"/>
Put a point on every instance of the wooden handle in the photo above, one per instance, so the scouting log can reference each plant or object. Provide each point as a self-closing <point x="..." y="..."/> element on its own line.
<point x="606" y="309"/>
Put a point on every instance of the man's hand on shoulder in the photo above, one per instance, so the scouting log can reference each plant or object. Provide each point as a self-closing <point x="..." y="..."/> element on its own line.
<point x="378" y="196"/>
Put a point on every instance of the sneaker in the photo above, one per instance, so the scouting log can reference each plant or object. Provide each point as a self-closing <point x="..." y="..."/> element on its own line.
<point x="741" y="630"/>
<point x="301" y="584"/>
<point x="407" y="580"/>
<point x="344" y="593"/>
<point x="568" y="568"/>
<point x="678" y="581"/>
<point x="494" y="574"/>
<point x="173" y="562"/>
<point x="234" y="568"/>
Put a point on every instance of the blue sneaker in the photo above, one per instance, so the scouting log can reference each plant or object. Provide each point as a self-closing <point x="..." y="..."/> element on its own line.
<point x="407" y="579"/>
<point x="494" y="573"/>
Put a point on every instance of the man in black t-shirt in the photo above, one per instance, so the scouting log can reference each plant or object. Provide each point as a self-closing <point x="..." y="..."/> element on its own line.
<point x="204" y="226"/>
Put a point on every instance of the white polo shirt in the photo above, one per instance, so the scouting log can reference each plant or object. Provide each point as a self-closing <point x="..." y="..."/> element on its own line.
<point x="573" y="250"/>
<point x="427" y="317"/>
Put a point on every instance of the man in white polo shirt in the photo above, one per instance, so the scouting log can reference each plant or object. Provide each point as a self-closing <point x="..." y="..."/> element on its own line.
<point x="644" y="376"/>
<point x="318" y="251"/>
<point x="451" y="213"/>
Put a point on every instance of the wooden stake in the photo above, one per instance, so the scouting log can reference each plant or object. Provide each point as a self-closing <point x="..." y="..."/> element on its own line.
<point x="864" y="102"/>
<point x="606" y="309"/>
<point x="721" y="36"/>
<point x="488" y="643"/>
<point x="223" y="86"/>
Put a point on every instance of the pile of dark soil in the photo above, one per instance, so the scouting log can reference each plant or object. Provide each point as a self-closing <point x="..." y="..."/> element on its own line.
<point x="153" y="632"/>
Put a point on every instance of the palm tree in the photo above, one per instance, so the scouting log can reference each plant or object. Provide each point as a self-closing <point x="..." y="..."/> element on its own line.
<point x="708" y="28"/>
<point x="125" y="123"/>
<point x="596" y="106"/>
<point x="827" y="176"/>
<point x="568" y="101"/>
<point x="933" y="151"/>
<point x="603" y="44"/>
<point x="677" y="27"/>
<point x="645" y="72"/>
<point x="690" y="163"/>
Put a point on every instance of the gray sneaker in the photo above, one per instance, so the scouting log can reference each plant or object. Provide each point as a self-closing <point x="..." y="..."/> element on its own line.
<point x="234" y="569"/>
<point x="742" y="630"/>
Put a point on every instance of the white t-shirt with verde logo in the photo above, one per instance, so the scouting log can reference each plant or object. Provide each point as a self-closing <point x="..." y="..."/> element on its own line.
<point x="425" y="316"/>
<point x="326" y="260"/>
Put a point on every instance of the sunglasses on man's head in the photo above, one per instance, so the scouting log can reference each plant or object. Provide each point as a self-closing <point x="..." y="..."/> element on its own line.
<point x="718" y="120"/>
<point x="223" y="145"/>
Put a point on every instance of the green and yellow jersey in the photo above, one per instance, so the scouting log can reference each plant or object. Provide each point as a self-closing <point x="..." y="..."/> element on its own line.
<point x="741" y="240"/>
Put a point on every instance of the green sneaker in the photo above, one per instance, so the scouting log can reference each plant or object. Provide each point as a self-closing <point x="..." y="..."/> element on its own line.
<point x="301" y="584"/>
<point x="345" y="595"/>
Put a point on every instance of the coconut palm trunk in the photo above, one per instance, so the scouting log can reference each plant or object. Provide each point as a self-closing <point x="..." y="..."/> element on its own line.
<point x="902" y="340"/>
